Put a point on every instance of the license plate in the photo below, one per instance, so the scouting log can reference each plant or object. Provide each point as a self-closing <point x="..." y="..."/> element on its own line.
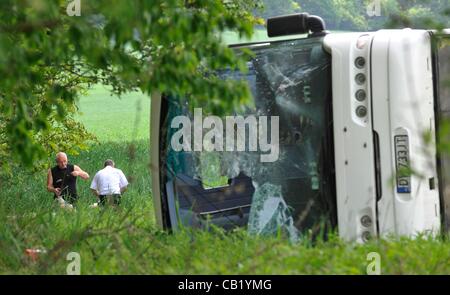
<point x="402" y="164"/>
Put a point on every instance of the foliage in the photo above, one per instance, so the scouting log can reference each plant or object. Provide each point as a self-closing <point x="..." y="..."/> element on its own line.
<point x="338" y="14"/>
<point x="424" y="14"/>
<point x="350" y="15"/>
<point x="116" y="242"/>
<point x="278" y="7"/>
<point x="65" y="134"/>
<point x="126" y="241"/>
<point x="47" y="57"/>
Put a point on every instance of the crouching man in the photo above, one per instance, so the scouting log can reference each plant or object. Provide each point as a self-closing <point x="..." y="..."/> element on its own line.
<point x="62" y="179"/>
<point x="109" y="184"/>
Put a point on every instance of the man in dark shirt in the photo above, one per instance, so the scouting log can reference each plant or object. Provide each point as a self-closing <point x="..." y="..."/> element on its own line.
<point x="62" y="179"/>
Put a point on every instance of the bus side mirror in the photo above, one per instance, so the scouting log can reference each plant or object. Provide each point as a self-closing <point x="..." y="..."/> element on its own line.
<point x="298" y="23"/>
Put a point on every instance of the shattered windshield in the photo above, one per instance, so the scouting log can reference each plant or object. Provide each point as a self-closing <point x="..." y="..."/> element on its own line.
<point x="269" y="168"/>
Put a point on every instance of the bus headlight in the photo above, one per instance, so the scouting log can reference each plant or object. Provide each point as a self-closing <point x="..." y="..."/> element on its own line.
<point x="360" y="79"/>
<point x="360" y="95"/>
<point x="360" y="62"/>
<point x="361" y="111"/>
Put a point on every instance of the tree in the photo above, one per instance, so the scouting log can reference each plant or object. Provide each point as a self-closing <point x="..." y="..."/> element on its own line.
<point x="47" y="57"/>
<point x="278" y="7"/>
<point x="424" y="14"/>
<point x="350" y="15"/>
<point x="338" y="14"/>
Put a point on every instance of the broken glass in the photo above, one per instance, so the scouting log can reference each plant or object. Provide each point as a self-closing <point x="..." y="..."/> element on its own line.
<point x="289" y="80"/>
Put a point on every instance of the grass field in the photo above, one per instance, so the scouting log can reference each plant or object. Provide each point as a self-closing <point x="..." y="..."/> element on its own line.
<point x="259" y="35"/>
<point x="114" y="119"/>
<point x="126" y="241"/>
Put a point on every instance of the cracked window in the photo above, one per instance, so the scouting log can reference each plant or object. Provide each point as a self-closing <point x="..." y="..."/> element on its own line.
<point x="293" y="194"/>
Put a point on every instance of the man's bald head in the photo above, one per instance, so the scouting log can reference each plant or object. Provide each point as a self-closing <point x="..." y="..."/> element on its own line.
<point x="61" y="160"/>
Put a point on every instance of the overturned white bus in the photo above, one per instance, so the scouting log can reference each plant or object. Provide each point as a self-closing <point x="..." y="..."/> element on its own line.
<point x="359" y="117"/>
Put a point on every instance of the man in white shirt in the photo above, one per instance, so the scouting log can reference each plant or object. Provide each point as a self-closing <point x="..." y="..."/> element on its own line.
<point x="109" y="183"/>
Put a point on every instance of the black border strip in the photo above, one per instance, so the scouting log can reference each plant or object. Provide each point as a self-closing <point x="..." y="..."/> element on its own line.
<point x="223" y="284"/>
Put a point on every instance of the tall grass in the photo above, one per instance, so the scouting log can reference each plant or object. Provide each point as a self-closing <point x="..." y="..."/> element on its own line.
<point x="126" y="240"/>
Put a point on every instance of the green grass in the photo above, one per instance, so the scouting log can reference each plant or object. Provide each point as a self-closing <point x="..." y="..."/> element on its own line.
<point x="259" y="35"/>
<point x="127" y="241"/>
<point x="116" y="119"/>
